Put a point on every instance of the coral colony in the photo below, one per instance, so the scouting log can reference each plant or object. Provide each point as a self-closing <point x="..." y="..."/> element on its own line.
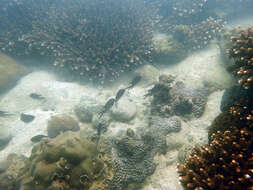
<point x="242" y="53"/>
<point x="226" y="162"/>
<point x="96" y="39"/>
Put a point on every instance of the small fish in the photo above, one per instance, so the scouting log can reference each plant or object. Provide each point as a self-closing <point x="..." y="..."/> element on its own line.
<point x="37" y="96"/>
<point x="119" y="94"/>
<point x="26" y="118"/>
<point x="37" y="138"/>
<point x="99" y="131"/>
<point x="5" y="113"/>
<point x="107" y="107"/>
<point x="135" y="80"/>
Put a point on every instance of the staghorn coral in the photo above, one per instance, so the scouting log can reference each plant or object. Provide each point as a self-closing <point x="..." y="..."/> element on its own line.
<point x="199" y="35"/>
<point x="242" y="54"/>
<point x="96" y="39"/>
<point x="187" y="8"/>
<point x="226" y="162"/>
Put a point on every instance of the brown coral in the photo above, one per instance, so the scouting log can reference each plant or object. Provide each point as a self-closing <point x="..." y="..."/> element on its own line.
<point x="242" y="53"/>
<point x="227" y="161"/>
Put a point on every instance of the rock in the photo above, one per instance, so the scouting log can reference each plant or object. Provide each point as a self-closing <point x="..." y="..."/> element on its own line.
<point x="149" y="74"/>
<point x="5" y="135"/>
<point x="27" y="118"/>
<point x="61" y="123"/>
<point x="86" y="108"/>
<point x="124" y="110"/>
<point x="10" y="72"/>
<point x="166" y="48"/>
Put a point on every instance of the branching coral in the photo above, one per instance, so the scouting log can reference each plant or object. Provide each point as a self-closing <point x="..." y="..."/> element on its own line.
<point x="226" y="162"/>
<point x="96" y="39"/>
<point x="198" y="35"/>
<point x="242" y="53"/>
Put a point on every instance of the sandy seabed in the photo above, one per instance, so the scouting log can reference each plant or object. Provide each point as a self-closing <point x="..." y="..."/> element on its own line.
<point x="61" y="97"/>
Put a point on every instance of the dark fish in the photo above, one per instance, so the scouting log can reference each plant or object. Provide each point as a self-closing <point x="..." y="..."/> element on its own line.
<point x="38" y="138"/>
<point x="107" y="106"/>
<point x="99" y="131"/>
<point x="5" y="114"/>
<point x="26" y="118"/>
<point x="135" y="80"/>
<point x="119" y="94"/>
<point x="36" y="96"/>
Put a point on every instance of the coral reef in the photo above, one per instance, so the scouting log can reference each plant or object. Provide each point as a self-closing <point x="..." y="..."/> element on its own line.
<point x="226" y="162"/>
<point x="199" y="35"/>
<point x="96" y="39"/>
<point x="61" y="123"/>
<point x="66" y="162"/>
<point x="242" y="53"/>
<point x="175" y="99"/>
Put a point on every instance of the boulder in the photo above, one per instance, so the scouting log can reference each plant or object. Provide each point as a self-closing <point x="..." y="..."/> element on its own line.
<point x="10" y="72"/>
<point x="61" y="123"/>
<point x="124" y="110"/>
<point x="5" y="136"/>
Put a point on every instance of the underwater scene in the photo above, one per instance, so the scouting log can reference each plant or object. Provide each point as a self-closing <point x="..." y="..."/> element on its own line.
<point x="126" y="94"/>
